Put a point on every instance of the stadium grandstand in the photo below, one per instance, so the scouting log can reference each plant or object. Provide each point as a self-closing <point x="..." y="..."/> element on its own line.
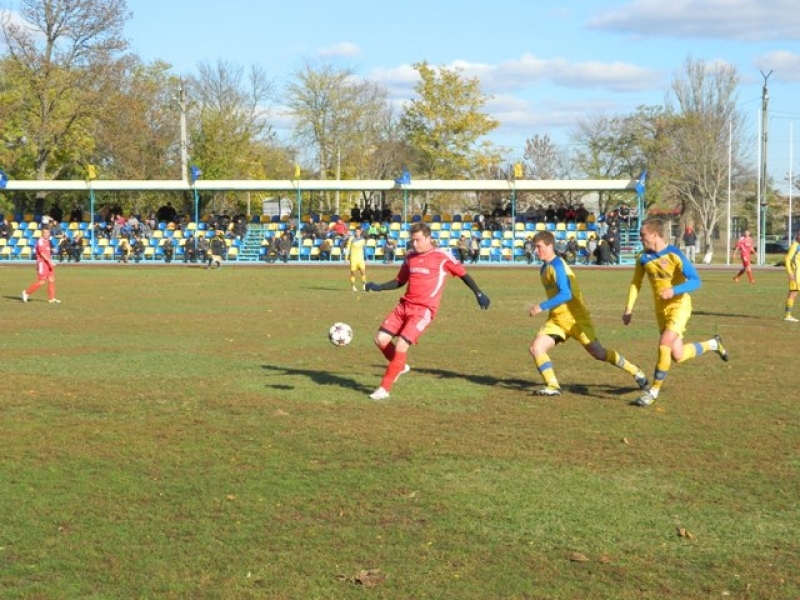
<point x="501" y="237"/>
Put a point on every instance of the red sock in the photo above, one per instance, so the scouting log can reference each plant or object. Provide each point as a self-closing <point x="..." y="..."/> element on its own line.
<point x="33" y="288"/>
<point x="388" y="351"/>
<point x="51" y="290"/>
<point x="393" y="369"/>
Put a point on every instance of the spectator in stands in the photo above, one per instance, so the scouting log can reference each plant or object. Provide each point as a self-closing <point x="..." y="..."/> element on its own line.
<point x="474" y="249"/>
<point x="5" y="229"/>
<point x="366" y="215"/>
<point x="581" y="213"/>
<point x="550" y="214"/>
<point x="202" y="247"/>
<point x="137" y="248"/>
<point x="325" y="248"/>
<point x="591" y="249"/>
<point x="77" y="245"/>
<point x="190" y="249"/>
<point x="76" y="214"/>
<point x="389" y="251"/>
<point x="355" y="213"/>
<point x="605" y="251"/>
<point x="168" y="247"/>
<point x="529" y="250"/>
<point x="461" y="251"/>
<point x="64" y="249"/>
<point x="270" y="245"/>
<point x="284" y="247"/>
<point x="571" y="254"/>
<point x="374" y="231"/>
<point x="561" y="248"/>
<point x="56" y="213"/>
<point x="309" y="231"/>
<point x="125" y="250"/>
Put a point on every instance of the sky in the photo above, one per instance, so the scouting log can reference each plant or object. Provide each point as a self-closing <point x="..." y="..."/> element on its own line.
<point x="544" y="64"/>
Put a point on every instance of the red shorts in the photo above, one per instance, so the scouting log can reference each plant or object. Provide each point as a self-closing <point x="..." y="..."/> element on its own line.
<point x="43" y="270"/>
<point x="408" y="321"/>
<point x="745" y="261"/>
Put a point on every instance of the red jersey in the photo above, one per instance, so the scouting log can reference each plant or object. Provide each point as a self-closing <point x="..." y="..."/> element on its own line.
<point x="425" y="275"/>
<point x="43" y="250"/>
<point x="745" y="247"/>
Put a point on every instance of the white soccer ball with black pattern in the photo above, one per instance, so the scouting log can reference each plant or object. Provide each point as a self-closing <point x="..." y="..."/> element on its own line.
<point x="340" y="334"/>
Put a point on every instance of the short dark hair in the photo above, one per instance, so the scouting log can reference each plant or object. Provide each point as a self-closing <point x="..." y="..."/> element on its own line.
<point x="419" y="226"/>
<point x="545" y="236"/>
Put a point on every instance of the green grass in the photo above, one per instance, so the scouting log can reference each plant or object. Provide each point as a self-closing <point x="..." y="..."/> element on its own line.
<point x="182" y="433"/>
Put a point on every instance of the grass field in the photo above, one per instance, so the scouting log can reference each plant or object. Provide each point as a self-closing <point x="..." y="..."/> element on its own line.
<point x="172" y="432"/>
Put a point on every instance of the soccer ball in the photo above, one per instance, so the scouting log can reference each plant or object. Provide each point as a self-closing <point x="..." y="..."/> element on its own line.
<point x="340" y="334"/>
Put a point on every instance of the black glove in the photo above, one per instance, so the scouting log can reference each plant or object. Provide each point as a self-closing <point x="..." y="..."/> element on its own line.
<point x="373" y="287"/>
<point x="483" y="300"/>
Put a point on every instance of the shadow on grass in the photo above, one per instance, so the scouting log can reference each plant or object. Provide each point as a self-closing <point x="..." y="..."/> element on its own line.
<point x="709" y="313"/>
<point x="318" y="377"/>
<point x="600" y="391"/>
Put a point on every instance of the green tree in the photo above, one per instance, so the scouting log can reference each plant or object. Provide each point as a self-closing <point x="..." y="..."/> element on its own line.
<point x="66" y="58"/>
<point x="445" y="126"/>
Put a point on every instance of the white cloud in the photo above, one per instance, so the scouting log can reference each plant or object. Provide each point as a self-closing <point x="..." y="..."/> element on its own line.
<point x="744" y="20"/>
<point x="341" y="50"/>
<point x="785" y="65"/>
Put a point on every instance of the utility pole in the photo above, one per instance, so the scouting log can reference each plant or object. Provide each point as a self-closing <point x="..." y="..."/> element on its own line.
<point x="184" y="144"/>
<point x="762" y="192"/>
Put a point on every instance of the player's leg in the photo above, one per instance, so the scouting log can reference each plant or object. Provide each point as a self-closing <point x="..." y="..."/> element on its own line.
<point x="612" y="357"/>
<point x="790" y="298"/>
<point x="353" y="279"/>
<point x="541" y="345"/>
<point x="51" y="289"/>
<point x="749" y="270"/>
<point x="363" y="277"/>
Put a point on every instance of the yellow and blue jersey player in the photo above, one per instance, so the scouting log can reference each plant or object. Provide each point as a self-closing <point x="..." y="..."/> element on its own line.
<point x="568" y="318"/>
<point x="672" y="279"/>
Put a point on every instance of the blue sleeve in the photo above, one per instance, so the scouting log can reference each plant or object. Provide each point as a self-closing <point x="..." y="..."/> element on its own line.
<point x="692" y="282"/>
<point x="564" y="293"/>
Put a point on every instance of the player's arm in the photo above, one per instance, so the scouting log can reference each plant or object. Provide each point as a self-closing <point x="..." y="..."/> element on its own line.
<point x="483" y="299"/>
<point x="633" y="292"/>
<point x="692" y="282"/>
<point x="382" y="287"/>
<point x="564" y="293"/>
<point x="790" y="262"/>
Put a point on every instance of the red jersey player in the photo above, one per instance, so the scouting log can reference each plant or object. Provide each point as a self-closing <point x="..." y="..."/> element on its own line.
<point x="45" y="269"/>
<point x="424" y="270"/>
<point x="745" y="248"/>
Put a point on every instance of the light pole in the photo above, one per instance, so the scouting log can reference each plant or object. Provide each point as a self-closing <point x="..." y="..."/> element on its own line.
<point x="762" y="215"/>
<point x="184" y="143"/>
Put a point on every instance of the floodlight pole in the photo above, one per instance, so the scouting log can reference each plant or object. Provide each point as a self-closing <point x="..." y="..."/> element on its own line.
<point x="762" y="215"/>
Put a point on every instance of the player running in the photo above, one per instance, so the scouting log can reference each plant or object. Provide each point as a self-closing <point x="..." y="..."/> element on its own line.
<point x="569" y="318"/>
<point x="672" y="278"/>
<point x="45" y="269"/>
<point x="424" y="270"/>
<point x="355" y="253"/>
<point x="792" y="264"/>
<point x="745" y="248"/>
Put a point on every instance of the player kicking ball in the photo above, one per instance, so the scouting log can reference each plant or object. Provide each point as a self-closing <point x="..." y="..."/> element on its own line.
<point x="423" y="271"/>
<point x="569" y="318"/>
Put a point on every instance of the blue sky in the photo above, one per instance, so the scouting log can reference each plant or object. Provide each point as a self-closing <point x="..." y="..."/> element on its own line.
<point x="545" y="64"/>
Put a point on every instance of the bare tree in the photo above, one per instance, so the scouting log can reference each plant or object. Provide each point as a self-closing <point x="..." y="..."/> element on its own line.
<point x="703" y="118"/>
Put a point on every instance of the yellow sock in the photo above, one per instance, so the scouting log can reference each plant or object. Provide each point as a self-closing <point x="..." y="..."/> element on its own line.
<point x="789" y="306"/>
<point x="615" y="358"/>
<point x="546" y="369"/>
<point x="662" y="368"/>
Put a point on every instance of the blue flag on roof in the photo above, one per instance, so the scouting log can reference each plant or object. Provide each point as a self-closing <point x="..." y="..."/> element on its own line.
<point x="641" y="182"/>
<point x="195" y="173"/>
<point x="404" y="179"/>
<point x="3" y="179"/>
